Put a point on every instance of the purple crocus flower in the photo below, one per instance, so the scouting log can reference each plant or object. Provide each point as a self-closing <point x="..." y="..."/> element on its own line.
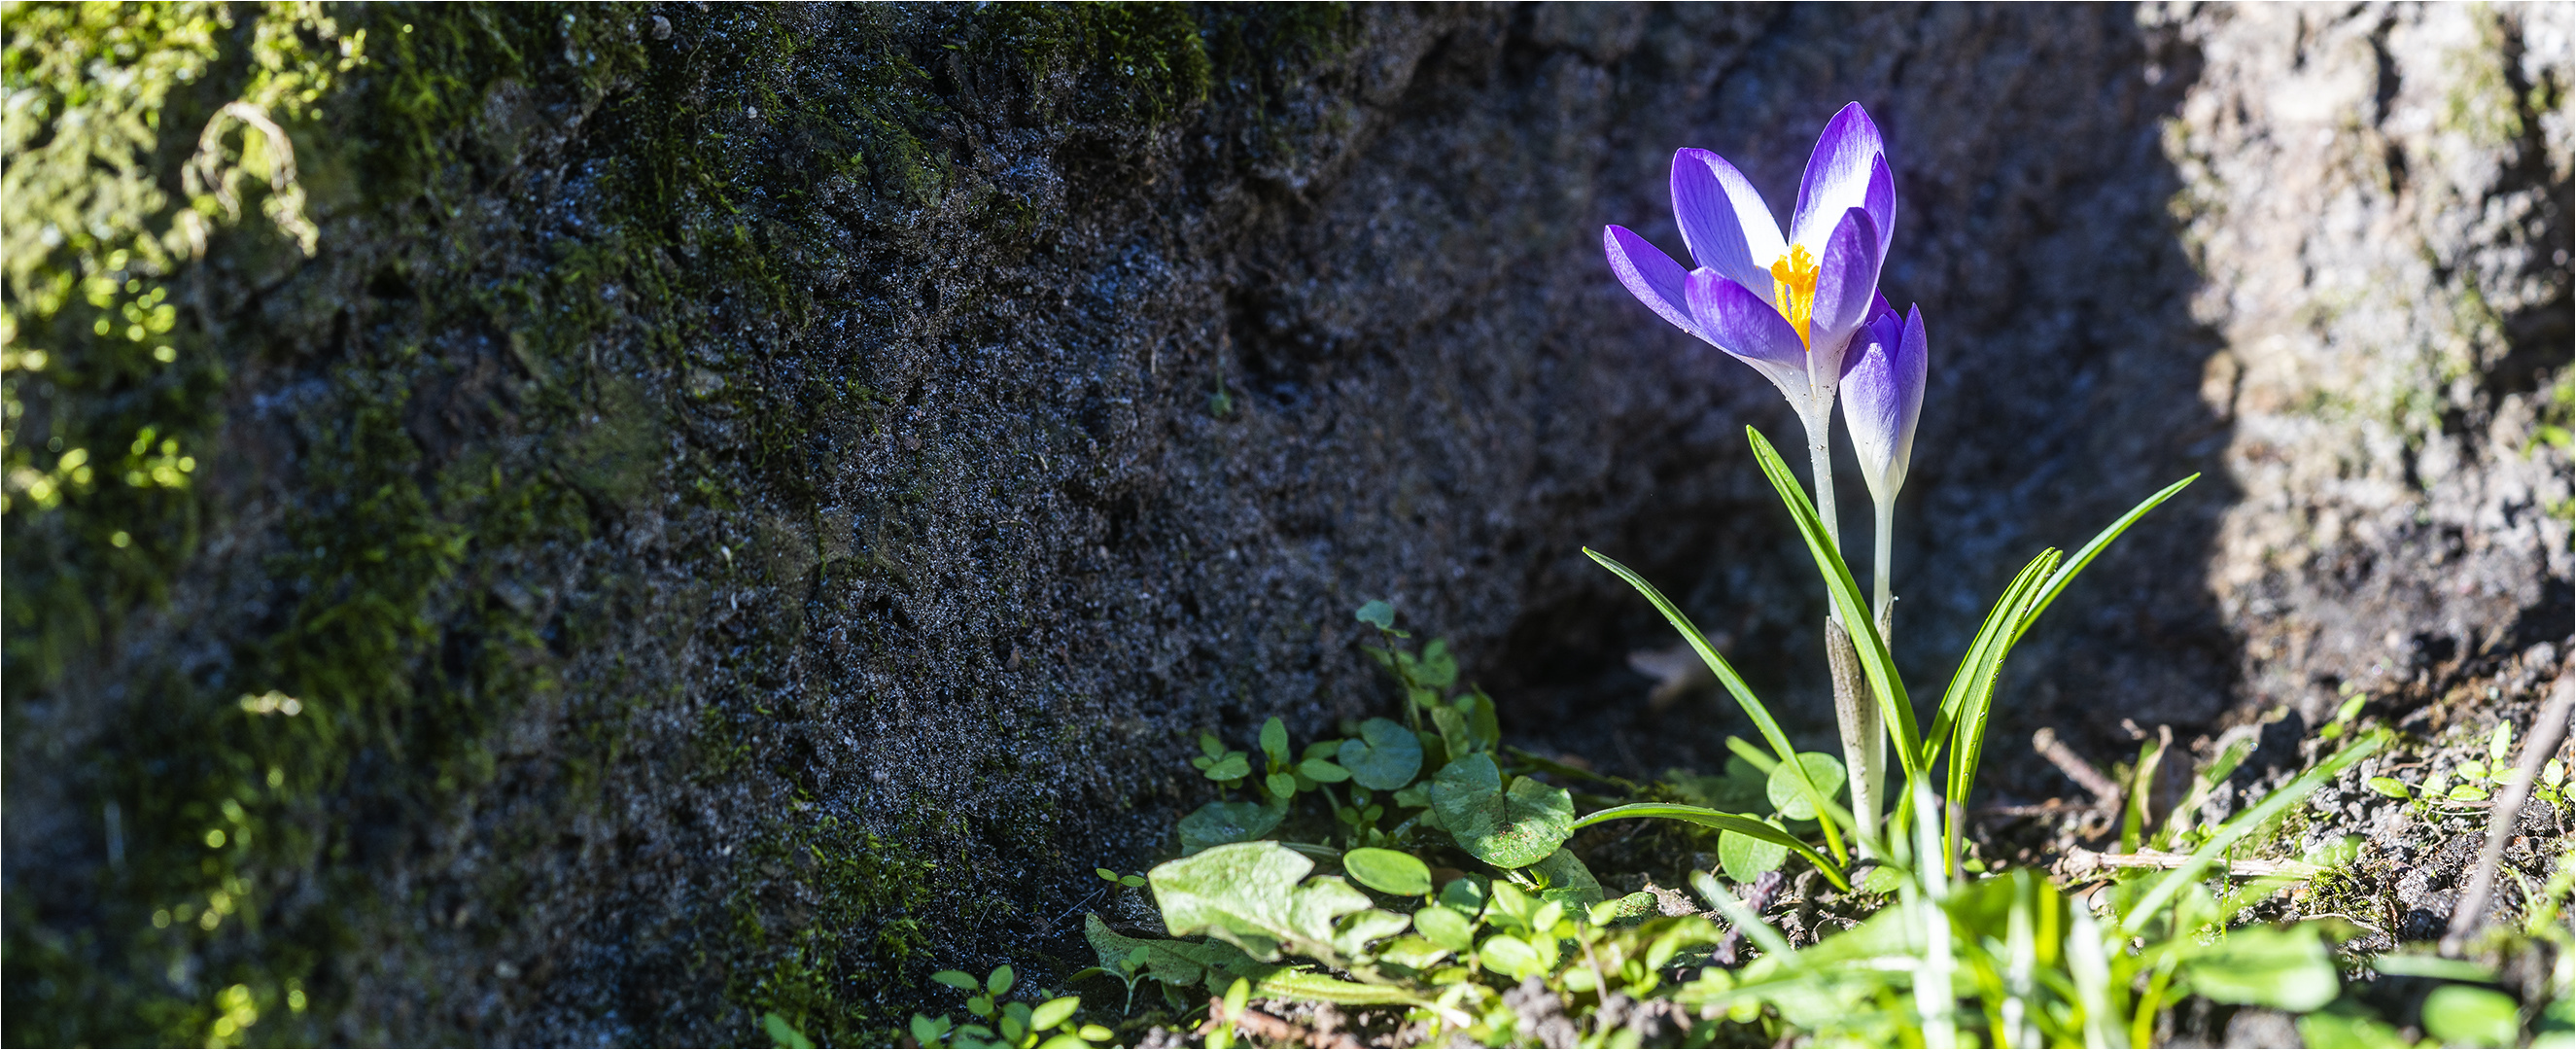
<point x="1788" y="307"/>
<point x="1882" y="388"/>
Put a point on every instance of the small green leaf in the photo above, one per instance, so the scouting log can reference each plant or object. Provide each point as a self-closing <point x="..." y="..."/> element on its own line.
<point x="1234" y="766"/>
<point x="2389" y="786"/>
<point x="1385" y="757"/>
<point x="2466" y="1015"/>
<point x="1274" y="741"/>
<point x="1745" y="858"/>
<point x="1000" y="981"/>
<point x="927" y="1032"/>
<point x="1281" y="785"/>
<point x="980" y="1006"/>
<point x="1320" y="749"/>
<point x="2285" y="969"/>
<point x="1218" y="823"/>
<point x="1388" y="871"/>
<point x="1377" y="613"/>
<point x="2468" y="793"/>
<point x="1445" y="927"/>
<point x="1466" y="895"/>
<point x="1132" y="881"/>
<point x="1790" y="797"/>
<point x="1568" y="882"/>
<point x="1096" y="1033"/>
<point x="2472" y="770"/>
<point x="1053" y="1012"/>
<point x="1437" y="668"/>
<point x="1212" y="747"/>
<point x="1105" y="874"/>
<point x="956" y="980"/>
<point x="1512" y="829"/>
<point x="1322" y="772"/>
<point x="2351" y="707"/>
<point x="1510" y="956"/>
<point x="785" y="1034"/>
<point x="2500" y="745"/>
<point x="2553" y="774"/>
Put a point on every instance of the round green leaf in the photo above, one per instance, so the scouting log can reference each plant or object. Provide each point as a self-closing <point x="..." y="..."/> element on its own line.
<point x="1745" y="858"/>
<point x="1791" y="799"/>
<point x="1388" y="871"/>
<point x="1218" y="823"/>
<point x="1376" y="614"/>
<point x="2466" y="1015"/>
<point x="1510" y="956"/>
<point x="1053" y="1012"/>
<point x="1384" y="757"/>
<point x="1233" y="766"/>
<point x="2389" y="786"/>
<point x="1445" y="927"/>
<point x="1513" y="829"/>
<point x="1000" y="981"/>
<point x="1281" y="785"/>
<point x="1323" y="772"/>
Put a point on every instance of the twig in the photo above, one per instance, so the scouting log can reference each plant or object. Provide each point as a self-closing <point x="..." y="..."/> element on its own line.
<point x="2545" y="734"/>
<point x="2106" y="793"/>
<point x="2081" y="863"/>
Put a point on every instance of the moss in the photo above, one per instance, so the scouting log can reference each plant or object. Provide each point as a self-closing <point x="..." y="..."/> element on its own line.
<point x="831" y="919"/>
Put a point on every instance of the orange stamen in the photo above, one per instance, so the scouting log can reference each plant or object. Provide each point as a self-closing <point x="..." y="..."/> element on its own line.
<point x="1793" y="290"/>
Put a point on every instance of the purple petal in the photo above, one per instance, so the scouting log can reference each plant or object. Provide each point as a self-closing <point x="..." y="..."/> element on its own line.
<point x="1882" y="399"/>
<point x="1838" y="178"/>
<point x="1881" y="202"/>
<point x="1884" y="324"/>
<point x="1728" y="227"/>
<point x="1743" y="324"/>
<point x="1652" y="276"/>
<point x="1845" y="286"/>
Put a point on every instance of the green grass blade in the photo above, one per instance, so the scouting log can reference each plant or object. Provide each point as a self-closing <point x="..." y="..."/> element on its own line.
<point x="2291" y="794"/>
<point x="1723" y="821"/>
<point x="2004" y="617"/>
<point x="1968" y="734"/>
<point x="1734" y="683"/>
<point x="2066" y="573"/>
<point x="1849" y="605"/>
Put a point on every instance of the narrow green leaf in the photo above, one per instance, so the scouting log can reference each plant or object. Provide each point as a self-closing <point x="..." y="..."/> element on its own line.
<point x="2291" y="794"/>
<point x="1761" y="716"/>
<point x="1849" y="605"/>
<point x="1710" y="818"/>
<point x="2066" y="573"/>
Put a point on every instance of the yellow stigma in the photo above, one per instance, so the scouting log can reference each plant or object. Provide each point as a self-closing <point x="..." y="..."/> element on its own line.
<point x="1793" y="289"/>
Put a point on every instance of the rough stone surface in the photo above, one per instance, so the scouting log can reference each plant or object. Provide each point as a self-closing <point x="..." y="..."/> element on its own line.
<point x="1004" y="467"/>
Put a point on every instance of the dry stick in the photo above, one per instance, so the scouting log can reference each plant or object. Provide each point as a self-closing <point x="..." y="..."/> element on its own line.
<point x="2106" y="792"/>
<point x="2545" y="733"/>
<point x="2081" y="862"/>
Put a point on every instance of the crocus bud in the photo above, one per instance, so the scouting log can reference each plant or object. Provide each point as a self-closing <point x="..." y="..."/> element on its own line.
<point x="1882" y="395"/>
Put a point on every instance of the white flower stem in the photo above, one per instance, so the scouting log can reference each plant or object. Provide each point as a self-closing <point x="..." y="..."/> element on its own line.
<point x="1855" y="710"/>
<point x="1879" y="598"/>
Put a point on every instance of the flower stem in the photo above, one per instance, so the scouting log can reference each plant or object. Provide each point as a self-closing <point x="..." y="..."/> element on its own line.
<point x="1855" y="710"/>
<point x="1885" y="537"/>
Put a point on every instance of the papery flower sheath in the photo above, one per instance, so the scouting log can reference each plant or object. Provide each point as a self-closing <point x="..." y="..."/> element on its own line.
<point x="1786" y="306"/>
<point x="1882" y="388"/>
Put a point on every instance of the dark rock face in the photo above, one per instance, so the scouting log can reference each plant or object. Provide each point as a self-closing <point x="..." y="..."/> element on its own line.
<point x="821" y="478"/>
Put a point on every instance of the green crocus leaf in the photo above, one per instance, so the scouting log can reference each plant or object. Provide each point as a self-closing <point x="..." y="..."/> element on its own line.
<point x="1513" y="829"/>
<point x="1790" y="797"/>
<point x="1218" y="823"/>
<point x="1384" y="757"/>
<point x="1388" y="871"/>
